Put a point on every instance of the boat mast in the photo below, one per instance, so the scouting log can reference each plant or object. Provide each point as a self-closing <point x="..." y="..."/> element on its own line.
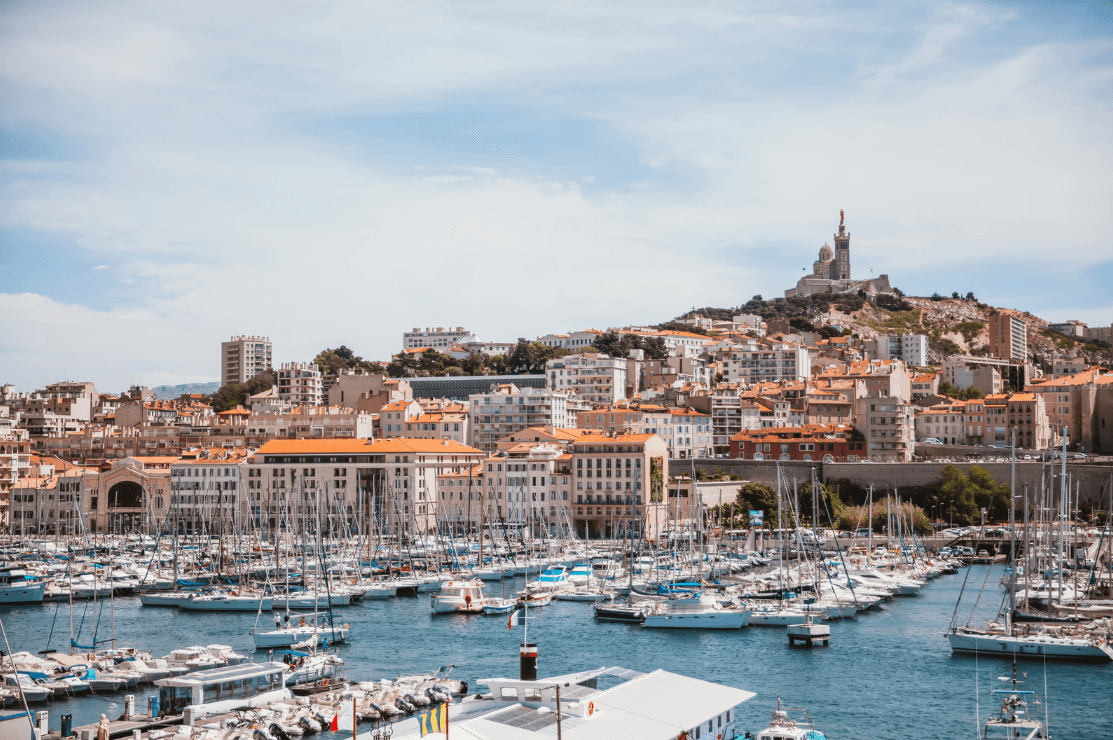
<point x="1012" y="542"/>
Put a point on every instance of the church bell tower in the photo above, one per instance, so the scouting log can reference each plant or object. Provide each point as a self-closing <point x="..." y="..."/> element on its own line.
<point x="842" y="250"/>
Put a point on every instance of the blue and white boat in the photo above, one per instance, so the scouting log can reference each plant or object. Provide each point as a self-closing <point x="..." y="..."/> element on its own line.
<point x="551" y="578"/>
<point x="16" y="587"/>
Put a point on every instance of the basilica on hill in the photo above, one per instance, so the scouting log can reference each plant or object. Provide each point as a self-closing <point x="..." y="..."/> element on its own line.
<point x="831" y="272"/>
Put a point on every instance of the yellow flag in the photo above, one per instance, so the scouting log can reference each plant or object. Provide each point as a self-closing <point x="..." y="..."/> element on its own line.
<point x="433" y="720"/>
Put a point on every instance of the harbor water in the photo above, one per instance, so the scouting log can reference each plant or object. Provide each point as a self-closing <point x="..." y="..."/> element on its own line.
<point x="887" y="674"/>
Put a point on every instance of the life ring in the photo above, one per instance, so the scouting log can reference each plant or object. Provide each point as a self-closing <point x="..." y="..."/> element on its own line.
<point x="325" y="682"/>
<point x="590" y="708"/>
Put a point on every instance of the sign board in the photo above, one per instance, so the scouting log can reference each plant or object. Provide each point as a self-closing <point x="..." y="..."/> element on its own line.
<point x="757" y="518"/>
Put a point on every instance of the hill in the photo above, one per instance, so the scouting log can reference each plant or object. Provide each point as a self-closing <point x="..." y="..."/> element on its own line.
<point x="952" y="325"/>
<point x="167" y="392"/>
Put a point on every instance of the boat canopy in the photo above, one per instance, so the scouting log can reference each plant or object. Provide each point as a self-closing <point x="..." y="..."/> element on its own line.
<point x="226" y="673"/>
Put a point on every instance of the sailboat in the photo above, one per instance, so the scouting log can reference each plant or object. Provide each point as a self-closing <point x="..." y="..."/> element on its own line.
<point x="1004" y="639"/>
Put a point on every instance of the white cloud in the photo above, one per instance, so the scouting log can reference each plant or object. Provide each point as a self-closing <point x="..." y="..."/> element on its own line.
<point x="220" y="219"/>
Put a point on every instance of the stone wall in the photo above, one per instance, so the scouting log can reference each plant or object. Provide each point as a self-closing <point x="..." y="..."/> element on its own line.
<point x="1094" y="479"/>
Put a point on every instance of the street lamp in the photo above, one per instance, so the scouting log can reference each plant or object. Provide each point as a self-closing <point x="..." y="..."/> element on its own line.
<point x="952" y="507"/>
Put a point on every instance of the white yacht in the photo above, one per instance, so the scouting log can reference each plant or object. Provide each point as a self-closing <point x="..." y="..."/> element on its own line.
<point x="194" y="658"/>
<point x="1037" y="645"/>
<point x="551" y="578"/>
<point x="460" y="596"/>
<point x="698" y="612"/>
<point x="581" y="575"/>
<point x="233" y="601"/>
<point x="783" y="727"/>
<point x="17" y="587"/>
<point x="23" y="685"/>
<point x="301" y="633"/>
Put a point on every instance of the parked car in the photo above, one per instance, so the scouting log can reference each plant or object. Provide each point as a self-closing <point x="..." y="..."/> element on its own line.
<point x="932" y="441"/>
<point x="1081" y="456"/>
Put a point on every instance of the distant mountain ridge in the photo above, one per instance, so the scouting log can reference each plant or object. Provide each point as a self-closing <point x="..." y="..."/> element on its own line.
<point x="168" y="392"/>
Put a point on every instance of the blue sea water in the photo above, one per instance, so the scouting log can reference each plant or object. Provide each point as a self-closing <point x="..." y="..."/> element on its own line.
<point x="887" y="674"/>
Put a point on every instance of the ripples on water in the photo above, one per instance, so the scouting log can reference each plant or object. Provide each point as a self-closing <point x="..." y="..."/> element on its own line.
<point x="887" y="674"/>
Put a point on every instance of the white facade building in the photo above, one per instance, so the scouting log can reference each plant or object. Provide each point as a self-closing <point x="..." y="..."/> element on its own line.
<point x="438" y="338"/>
<point x="593" y="377"/>
<point x="509" y="409"/>
<point x="244" y="357"/>
<point x="762" y="360"/>
<point x="910" y="348"/>
<point x="205" y="492"/>
<point x="575" y="340"/>
<point x="300" y="383"/>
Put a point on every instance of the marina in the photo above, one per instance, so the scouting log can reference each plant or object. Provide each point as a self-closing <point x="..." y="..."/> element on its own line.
<point x="846" y="685"/>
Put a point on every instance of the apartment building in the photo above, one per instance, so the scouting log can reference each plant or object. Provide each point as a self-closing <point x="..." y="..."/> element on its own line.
<point x="1103" y="334"/>
<point x="205" y="490"/>
<point x="243" y="357"/>
<point x="449" y="423"/>
<point x="911" y="349"/>
<point x="530" y="487"/>
<point x="947" y="423"/>
<point x="888" y="378"/>
<point x="15" y="455"/>
<point x="438" y="338"/>
<point x="830" y="403"/>
<point x="686" y="432"/>
<point x="507" y="409"/>
<point x="1067" y="366"/>
<point x="307" y="422"/>
<point x="974" y="421"/>
<point x="1024" y="412"/>
<point x="615" y="477"/>
<point x="49" y="503"/>
<point x="812" y="442"/>
<point x="388" y="485"/>
<point x="755" y="360"/>
<point x="1008" y="337"/>
<point x="678" y="343"/>
<point x="575" y="340"/>
<point x="594" y="377"/>
<point x="730" y="414"/>
<point x="300" y="383"/>
<point x="887" y="426"/>
<point x="924" y="385"/>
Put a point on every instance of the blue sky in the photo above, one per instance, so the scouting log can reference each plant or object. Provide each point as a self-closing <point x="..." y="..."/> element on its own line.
<point x="174" y="173"/>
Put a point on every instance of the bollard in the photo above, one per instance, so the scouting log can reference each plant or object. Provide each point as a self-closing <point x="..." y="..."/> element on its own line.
<point x="136" y="735"/>
<point x="67" y="725"/>
<point x="129" y="706"/>
<point x="44" y="722"/>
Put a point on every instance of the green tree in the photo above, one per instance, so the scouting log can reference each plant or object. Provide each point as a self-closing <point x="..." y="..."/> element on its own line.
<point x="236" y="394"/>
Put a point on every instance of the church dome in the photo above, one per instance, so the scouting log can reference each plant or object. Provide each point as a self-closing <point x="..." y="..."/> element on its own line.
<point x="825" y="254"/>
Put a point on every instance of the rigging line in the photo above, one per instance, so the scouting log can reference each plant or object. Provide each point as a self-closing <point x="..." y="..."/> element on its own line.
<point x="22" y="695"/>
<point x="980" y="591"/>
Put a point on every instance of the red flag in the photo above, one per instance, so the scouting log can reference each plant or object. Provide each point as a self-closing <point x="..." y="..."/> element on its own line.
<point x="335" y="724"/>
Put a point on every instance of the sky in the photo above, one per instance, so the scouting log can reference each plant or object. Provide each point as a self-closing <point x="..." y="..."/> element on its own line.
<point x="333" y="172"/>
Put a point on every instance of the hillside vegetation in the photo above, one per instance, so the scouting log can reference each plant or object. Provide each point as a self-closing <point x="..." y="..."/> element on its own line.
<point x="955" y="325"/>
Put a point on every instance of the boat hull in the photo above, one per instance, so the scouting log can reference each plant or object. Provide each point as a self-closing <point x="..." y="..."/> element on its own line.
<point x="717" y="620"/>
<point x="1030" y="647"/>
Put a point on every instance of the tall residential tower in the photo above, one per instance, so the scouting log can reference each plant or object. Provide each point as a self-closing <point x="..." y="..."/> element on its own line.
<point x="244" y="357"/>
